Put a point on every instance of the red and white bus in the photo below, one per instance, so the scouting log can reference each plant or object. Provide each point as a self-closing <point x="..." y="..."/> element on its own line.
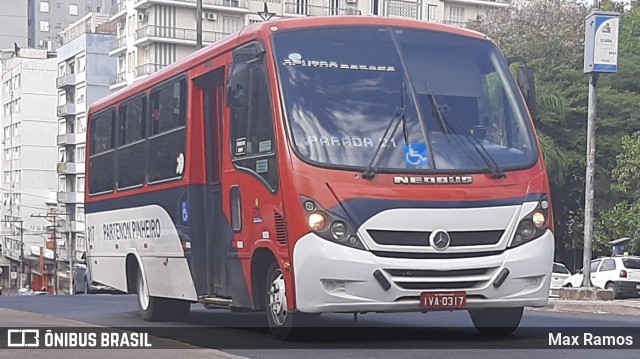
<point x="329" y="164"/>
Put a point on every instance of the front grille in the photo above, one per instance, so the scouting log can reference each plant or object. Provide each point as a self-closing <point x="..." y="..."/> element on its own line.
<point x="429" y="279"/>
<point x="439" y="255"/>
<point x="436" y="273"/>
<point x="420" y="238"/>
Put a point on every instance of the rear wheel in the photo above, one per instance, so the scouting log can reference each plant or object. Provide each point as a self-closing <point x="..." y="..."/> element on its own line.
<point x="154" y="309"/>
<point x="612" y="286"/>
<point x="283" y="323"/>
<point x="496" y="321"/>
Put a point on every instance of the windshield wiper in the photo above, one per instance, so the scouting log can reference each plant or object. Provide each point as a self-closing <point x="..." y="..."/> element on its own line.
<point x="397" y="118"/>
<point x="492" y="165"/>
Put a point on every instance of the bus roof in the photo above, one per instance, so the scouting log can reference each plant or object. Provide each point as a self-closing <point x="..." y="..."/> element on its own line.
<point x="265" y="28"/>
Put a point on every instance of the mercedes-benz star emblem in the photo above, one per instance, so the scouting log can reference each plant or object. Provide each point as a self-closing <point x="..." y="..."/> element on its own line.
<point x="440" y="240"/>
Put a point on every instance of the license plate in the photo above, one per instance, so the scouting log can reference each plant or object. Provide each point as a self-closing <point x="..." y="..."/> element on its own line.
<point x="443" y="300"/>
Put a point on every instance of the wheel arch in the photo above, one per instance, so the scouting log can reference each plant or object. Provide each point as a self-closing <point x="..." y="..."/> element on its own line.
<point x="260" y="261"/>
<point x="132" y="265"/>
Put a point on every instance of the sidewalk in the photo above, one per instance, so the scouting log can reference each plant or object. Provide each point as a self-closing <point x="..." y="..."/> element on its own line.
<point x="617" y="307"/>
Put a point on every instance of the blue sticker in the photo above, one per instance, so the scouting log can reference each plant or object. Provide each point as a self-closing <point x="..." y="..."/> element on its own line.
<point x="185" y="212"/>
<point x="416" y="154"/>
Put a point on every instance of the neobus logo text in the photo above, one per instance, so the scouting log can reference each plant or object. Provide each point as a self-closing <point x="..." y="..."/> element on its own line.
<point x="433" y="180"/>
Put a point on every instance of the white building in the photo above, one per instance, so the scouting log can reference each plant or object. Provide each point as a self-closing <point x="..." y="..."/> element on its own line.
<point x="84" y="72"/>
<point x="28" y="121"/>
<point x="152" y="34"/>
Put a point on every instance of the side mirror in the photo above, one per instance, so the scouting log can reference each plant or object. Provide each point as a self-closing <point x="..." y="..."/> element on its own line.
<point x="238" y="86"/>
<point x="527" y="84"/>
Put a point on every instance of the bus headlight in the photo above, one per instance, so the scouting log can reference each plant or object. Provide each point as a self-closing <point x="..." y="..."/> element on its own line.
<point x="532" y="225"/>
<point x="339" y="231"/>
<point x="329" y="225"/>
<point x="539" y="219"/>
<point x="317" y="221"/>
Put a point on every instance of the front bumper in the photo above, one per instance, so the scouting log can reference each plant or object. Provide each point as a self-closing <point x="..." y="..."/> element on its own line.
<point x="334" y="278"/>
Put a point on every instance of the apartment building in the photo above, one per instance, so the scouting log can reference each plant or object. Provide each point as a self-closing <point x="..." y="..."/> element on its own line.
<point x="152" y="34"/>
<point x="47" y="18"/>
<point x="84" y="72"/>
<point x="28" y="98"/>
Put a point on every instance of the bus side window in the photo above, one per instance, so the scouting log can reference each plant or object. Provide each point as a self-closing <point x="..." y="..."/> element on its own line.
<point x="131" y="149"/>
<point x="167" y="138"/>
<point x="102" y="155"/>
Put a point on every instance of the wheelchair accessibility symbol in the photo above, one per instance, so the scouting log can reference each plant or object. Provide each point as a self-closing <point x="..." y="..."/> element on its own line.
<point x="416" y="154"/>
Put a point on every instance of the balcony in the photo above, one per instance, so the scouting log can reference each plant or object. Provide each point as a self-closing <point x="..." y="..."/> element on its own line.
<point x="147" y="69"/>
<point x="71" y="139"/>
<point x="486" y="3"/>
<point x="242" y="5"/>
<point x="119" y="78"/>
<point x="294" y="8"/>
<point x="70" y="197"/>
<point x="70" y="168"/>
<point x="118" y="10"/>
<point x="66" y="81"/>
<point x="118" y="45"/>
<point x="462" y="24"/>
<point x="68" y="109"/>
<point x="153" y="33"/>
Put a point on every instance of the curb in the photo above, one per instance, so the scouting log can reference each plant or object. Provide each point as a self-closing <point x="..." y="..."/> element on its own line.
<point x="594" y="307"/>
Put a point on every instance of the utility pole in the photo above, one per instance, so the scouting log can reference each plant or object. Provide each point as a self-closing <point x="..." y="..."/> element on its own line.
<point x="199" y="24"/>
<point x="53" y="218"/>
<point x="20" y="281"/>
<point x="600" y="56"/>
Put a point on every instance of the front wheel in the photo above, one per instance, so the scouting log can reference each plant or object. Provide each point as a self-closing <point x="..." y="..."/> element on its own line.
<point x="496" y="321"/>
<point x="156" y="309"/>
<point x="283" y="323"/>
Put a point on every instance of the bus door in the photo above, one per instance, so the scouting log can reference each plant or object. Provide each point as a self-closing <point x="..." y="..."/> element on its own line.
<point x="209" y="259"/>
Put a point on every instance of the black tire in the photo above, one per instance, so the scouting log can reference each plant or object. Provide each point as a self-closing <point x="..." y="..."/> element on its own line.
<point x="496" y="321"/>
<point x="284" y="324"/>
<point x="157" y="309"/>
<point x="612" y="286"/>
<point x="568" y="285"/>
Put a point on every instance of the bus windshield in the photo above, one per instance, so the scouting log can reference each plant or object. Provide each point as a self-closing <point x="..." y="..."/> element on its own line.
<point x="431" y="101"/>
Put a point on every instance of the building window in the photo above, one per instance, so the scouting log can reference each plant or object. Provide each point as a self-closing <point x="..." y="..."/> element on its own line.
<point x="231" y="24"/>
<point x="432" y="13"/>
<point x="89" y="9"/>
<point x="44" y="25"/>
<point x="80" y="188"/>
<point x="44" y="6"/>
<point x="81" y="125"/>
<point x="80" y="94"/>
<point x="456" y="14"/>
<point x="73" y="9"/>
<point x="59" y="5"/>
<point x="80" y="154"/>
<point x="62" y="184"/>
<point x="58" y="25"/>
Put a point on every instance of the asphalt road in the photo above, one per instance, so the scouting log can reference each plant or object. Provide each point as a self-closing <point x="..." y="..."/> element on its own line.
<point x="402" y="335"/>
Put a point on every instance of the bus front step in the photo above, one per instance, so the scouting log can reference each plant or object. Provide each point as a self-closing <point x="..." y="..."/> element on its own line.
<point x="216" y="302"/>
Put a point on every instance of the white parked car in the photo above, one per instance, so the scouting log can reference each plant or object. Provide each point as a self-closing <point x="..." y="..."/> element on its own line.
<point x="619" y="273"/>
<point x="558" y="275"/>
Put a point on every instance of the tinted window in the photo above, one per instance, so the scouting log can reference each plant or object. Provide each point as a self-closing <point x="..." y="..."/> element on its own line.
<point x="631" y="263"/>
<point x="132" y="119"/>
<point x="102" y="158"/>
<point x="594" y="266"/>
<point x="560" y="269"/>
<point x="102" y="136"/>
<point x="132" y="150"/>
<point x="166" y="143"/>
